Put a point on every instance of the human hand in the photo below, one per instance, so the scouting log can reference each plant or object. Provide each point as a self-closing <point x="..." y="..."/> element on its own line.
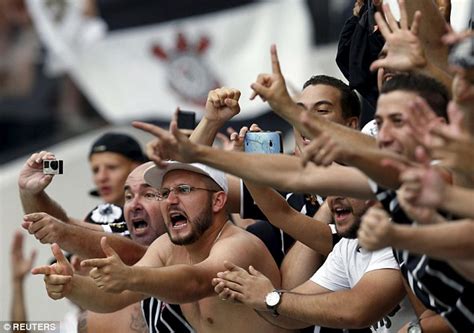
<point x="110" y="273"/>
<point x="322" y="151"/>
<point x="405" y="51"/>
<point x="419" y="214"/>
<point x="358" y="4"/>
<point x="168" y="145"/>
<point x="239" y="285"/>
<point x="463" y="82"/>
<point x="20" y="265"/>
<point x="46" y="228"/>
<point x="376" y="229"/>
<point x="323" y="148"/>
<point x="452" y="144"/>
<point x="444" y="7"/>
<point x="412" y="193"/>
<point x="58" y="276"/>
<point x="32" y="180"/>
<point x="421" y="120"/>
<point x="238" y="139"/>
<point x="272" y="87"/>
<point x="422" y="185"/>
<point x="222" y="104"/>
<point x="224" y="141"/>
<point x="452" y="37"/>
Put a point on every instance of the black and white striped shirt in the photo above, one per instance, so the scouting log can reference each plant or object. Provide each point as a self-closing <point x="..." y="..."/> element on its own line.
<point x="434" y="282"/>
<point x="162" y="317"/>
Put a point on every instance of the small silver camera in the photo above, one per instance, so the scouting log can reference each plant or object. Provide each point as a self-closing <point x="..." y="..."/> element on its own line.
<point x="53" y="167"/>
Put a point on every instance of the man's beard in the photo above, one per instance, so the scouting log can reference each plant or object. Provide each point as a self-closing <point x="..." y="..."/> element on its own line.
<point x="350" y="233"/>
<point x="199" y="225"/>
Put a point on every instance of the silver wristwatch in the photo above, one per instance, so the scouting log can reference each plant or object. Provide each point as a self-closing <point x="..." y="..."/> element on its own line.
<point x="272" y="300"/>
<point x="414" y="327"/>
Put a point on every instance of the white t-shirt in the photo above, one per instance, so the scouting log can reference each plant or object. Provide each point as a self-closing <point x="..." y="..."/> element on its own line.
<point x="347" y="264"/>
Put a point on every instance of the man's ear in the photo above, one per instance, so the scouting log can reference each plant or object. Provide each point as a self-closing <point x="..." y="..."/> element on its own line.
<point x="219" y="200"/>
<point x="352" y="122"/>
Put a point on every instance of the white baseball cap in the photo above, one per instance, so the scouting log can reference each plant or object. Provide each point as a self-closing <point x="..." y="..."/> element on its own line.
<point x="154" y="174"/>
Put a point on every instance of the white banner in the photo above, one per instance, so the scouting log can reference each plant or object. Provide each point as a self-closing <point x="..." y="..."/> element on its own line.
<point x="146" y="72"/>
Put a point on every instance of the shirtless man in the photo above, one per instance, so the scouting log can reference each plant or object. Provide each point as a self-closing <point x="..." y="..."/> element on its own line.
<point x="177" y="267"/>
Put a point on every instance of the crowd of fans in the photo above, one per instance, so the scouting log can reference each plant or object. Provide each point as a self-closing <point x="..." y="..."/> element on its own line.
<point x="354" y="231"/>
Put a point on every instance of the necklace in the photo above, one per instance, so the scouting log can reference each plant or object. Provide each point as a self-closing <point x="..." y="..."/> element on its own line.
<point x="220" y="232"/>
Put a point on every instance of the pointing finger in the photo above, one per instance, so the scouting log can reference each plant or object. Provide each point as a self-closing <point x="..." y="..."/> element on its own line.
<point x="94" y="262"/>
<point x="45" y="270"/>
<point x="150" y="128"/>
<point x="275" y="62"/>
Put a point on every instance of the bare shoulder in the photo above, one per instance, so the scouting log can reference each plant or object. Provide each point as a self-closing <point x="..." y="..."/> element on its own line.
<point x="157" y="253"/>
<point x="236" y="236"/>
<point x="244" y="249"/>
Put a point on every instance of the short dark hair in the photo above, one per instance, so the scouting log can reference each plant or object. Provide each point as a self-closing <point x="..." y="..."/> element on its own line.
<point x="433" y="91"/>
<point x="350" y="103"/>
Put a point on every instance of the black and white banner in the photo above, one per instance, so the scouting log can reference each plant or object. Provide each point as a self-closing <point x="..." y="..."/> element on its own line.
<point x="146" y="71"/>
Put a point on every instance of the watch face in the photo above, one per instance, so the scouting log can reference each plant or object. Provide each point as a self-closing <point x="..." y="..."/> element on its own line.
<point x="272" y="298"/>
<point x="415" y="328"/>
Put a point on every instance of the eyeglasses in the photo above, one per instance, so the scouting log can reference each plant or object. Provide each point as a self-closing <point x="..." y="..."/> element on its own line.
<point x="182" y="189"/>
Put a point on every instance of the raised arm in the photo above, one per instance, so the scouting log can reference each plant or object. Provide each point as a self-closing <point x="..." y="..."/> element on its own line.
<point x="279" y="171"/>
<point x="180" y="283"/>
<point x="325" y="149"/>
<point x="222" y="104"/>
<point x="315" y="234"/>
<point x="301" y="262"/>
<point x="60" y="282"/>
<point x="404" y="49"/>
<point x="20" y="267"/>
<point x="451" y="242"/>
<point x="443" y="241"/>
<point x="32" y="183"/>
<point x="272" y="88"/>
<point x="81" y="241"/>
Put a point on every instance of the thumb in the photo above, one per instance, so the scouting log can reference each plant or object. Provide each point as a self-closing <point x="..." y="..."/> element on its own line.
<point x="254" y="272"/>
<point x="108" y="250"/>
<point x="311" y="129"/>
<point x="180" y="136"/>
<point x="422" y="156"/>
<point x="377" y="64"/>
<point x="59" y="255"/>
<point x="33" y="217"/>
<point x="259" y="90"/>
<point x="26" y="225"/>
<point x="45" y="180"/>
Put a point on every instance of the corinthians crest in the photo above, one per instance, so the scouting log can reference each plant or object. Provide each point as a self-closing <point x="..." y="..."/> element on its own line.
<point x="187" y="72"/>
